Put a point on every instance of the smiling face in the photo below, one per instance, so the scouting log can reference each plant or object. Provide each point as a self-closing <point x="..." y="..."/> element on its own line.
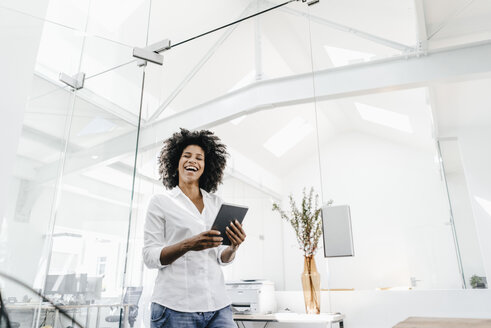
<point x="191" y="164"/>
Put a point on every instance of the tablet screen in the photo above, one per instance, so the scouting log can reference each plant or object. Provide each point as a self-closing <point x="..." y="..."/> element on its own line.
<point x="227" y="214"/>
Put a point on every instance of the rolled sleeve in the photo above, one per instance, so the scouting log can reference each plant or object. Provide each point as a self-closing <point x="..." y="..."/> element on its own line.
<point x="219" y="256"/>
<point x="154" y="237"/>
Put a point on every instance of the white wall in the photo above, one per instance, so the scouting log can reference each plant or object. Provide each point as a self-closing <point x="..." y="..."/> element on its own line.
<point x="399" y="216"/>
<point x="369" y="308"/>
<point x="261" y="255"/>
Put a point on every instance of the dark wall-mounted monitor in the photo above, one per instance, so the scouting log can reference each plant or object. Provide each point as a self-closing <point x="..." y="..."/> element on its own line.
<point x="70" y="283"/>
<point x="55" y="284"/>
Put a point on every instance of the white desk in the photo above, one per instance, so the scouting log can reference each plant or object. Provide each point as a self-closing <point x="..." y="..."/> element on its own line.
<point x="324" y="318"/>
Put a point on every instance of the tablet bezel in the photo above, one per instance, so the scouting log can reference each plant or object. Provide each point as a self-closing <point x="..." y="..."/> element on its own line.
<point x="221" y="222"/>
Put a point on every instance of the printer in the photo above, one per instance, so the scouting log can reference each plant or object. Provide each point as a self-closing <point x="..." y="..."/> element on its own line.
<point x="252" y="296"/>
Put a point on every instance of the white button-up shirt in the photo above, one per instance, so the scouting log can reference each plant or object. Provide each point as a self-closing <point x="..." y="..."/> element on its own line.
<point x="194" y="282"/>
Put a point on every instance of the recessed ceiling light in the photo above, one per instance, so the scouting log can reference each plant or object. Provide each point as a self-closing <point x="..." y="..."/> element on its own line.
<point x="384" y="117"/>
<point x="288" y="136"/>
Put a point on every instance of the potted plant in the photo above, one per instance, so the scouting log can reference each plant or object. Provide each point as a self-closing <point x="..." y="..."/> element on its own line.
<point x="307" y="223"/>
<point x="477" y="282"/>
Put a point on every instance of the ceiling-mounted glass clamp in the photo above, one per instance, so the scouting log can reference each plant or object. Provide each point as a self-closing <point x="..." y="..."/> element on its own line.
<point x="311" y="2"/>
<point x="76" y="81"/>
<point x="151" y="53"/>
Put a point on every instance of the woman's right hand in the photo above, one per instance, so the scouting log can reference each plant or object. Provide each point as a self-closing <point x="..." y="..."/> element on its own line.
<point x="204" y="240"/>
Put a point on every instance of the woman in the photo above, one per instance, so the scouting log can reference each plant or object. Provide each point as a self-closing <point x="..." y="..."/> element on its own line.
<point x="189" y="290"/>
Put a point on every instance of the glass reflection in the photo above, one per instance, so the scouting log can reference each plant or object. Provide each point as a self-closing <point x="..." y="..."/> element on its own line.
<point x="91" y="231"/>
<point x="31" y="214"/>
<point x="378" y="156"/>
<point x="458" y="193"/>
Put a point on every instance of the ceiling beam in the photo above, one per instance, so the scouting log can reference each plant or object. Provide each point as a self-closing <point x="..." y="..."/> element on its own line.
<point x="373" y="77"/>
<point x="56" y="143"/>
<point x="422" y="34"/>
<point x="197" y="68"/>
<point x="25" y="167"/>
<point x="343" y="28"/>
<point x="89" y="96"/>
<point x="92" y="187"/>
<point x="108" y="106"/>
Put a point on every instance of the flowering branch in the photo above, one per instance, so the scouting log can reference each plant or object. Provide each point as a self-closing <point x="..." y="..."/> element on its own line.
<point x="306" y="221"/>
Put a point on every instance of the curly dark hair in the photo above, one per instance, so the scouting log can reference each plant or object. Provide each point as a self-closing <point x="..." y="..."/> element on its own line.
<point x="215" y="158"/>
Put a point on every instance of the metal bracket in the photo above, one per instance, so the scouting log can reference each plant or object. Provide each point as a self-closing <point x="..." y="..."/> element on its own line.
<point x="151" y="53"/>
<point x="76" y="81"/>
<point x="311" y="2"/>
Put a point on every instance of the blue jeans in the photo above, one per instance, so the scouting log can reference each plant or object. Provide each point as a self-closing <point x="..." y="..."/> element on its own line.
<point x="163" y="317"/>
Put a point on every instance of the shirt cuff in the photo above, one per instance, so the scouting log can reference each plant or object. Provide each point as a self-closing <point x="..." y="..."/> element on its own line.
<point x="219" y="256"/>
<point x="155" y="258"/>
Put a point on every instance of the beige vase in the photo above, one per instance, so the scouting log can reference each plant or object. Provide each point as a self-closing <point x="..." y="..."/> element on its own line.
<point x="311" y="283"/>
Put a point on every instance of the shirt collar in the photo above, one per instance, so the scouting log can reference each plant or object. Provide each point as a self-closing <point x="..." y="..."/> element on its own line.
<point x="176" y="191"/>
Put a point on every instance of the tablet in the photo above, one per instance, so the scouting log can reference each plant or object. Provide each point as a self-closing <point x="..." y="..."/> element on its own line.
<point x="227" y="214"/>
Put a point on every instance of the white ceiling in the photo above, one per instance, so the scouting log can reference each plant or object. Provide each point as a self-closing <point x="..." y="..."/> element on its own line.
<point x="454" y="19"/>
<point x="278" y="44"/>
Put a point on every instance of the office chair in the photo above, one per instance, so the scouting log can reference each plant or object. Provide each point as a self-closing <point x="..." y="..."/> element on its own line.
<point x="131" y="298"/>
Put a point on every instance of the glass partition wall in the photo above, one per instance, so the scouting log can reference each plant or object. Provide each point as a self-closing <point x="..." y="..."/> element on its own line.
<point x="379" y="157"/>
<point x="87" y="160"/>
<point x="65" y="233"/>
<point x="379" y="151"/>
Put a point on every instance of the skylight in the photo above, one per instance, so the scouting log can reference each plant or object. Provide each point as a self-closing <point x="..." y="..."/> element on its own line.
<point x="97" y="125"/>
<point x="343" y="57"/>
<point x="288" y="136"/>
<point x="384" y="117"/>
<point x="485" y="204"/>
<point x="239" y="119"/>
<point x="125" y="11"/>
<point x="246" y="80"/>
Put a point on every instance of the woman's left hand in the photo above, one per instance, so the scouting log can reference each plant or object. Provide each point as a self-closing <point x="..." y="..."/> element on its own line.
<point x="236" y="234"/>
